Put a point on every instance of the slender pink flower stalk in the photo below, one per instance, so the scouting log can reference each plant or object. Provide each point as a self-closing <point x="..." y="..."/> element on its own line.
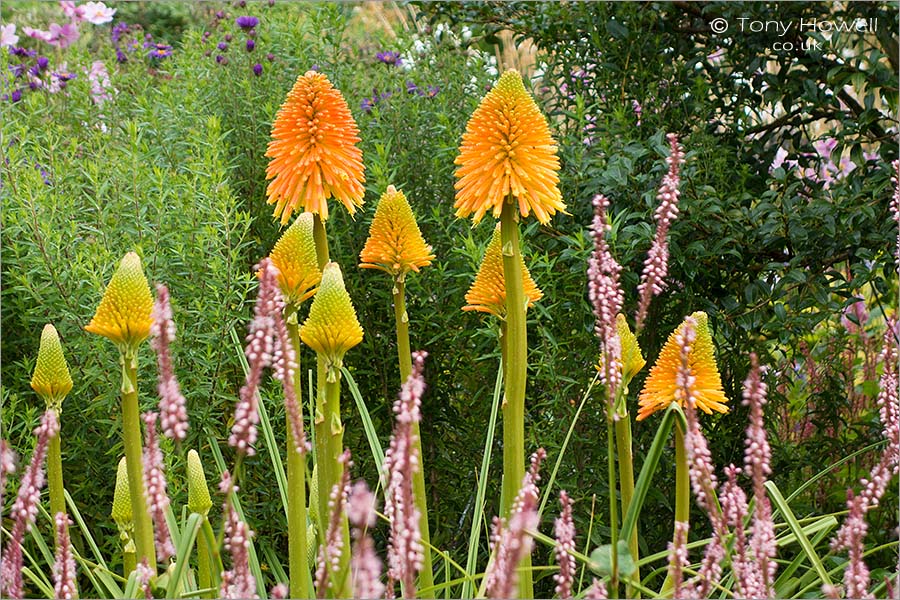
<point x="606" y="296"/>
<point x="511" y="539"/>
<point x="401" y="462"/>
<point x="279" y="592"/>
<point x="237" y="582"/>
<point x="144" y="575"/>
<point x="285" y="363"/>
<point x="155" y="489"/>
<point x="710" y="570"/>
<point x="260" y="351"/>
<point x="678" y="560"/>
<point x="172" y="405"/>
<point x="851" y="537"/>
<point x="64" y="567"/>
<point x="656" y="265"/>
<point x="564" y="528"/>
<point x="757" y="461"/>
<point x="329" y="561"/>
<point x="734" y="506"/>
<point x="25" y="508"/>
<point x="365" y="566"/>
<point x="597" y="591"/>
<point x="7" y="468"/>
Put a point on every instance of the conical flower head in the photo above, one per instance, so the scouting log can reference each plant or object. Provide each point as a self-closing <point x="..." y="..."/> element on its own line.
<point x="332" y="327"/>
<point x="294" y="255"/>
<point x="198" y="492"/>
<point x="507" y="149"/>
<point x="121" y="508"/>
<point x="395" y="243"/>
<point x="314" y="151"/>
<point x="125" y="313"/>
<point x="661" y="385"/>
<point x="51" y="379"/>
<point x="488" y="292"/>
<point x="632" y="358"/>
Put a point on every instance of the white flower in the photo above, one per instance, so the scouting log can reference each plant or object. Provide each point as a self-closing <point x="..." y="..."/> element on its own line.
<point x="97" y="13"/>
<point x="466" y="33"/>
<point x="8" y="35"/>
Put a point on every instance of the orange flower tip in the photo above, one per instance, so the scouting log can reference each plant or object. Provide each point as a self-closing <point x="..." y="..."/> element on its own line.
<point x="395" y="243"/>
<point x="661" y="387"/>
<point x="488" y="291"/>
<point x="294" y="256"/>
<point x="332" y="327"/>
<point x="507" y="152"/>
<point x="314" y="153"/>
<point x="125" y="312"/>
<point x="51" y="379"/>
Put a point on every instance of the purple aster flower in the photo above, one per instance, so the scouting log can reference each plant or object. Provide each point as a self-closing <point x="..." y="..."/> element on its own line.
<point x="314" y="68"/>
<point x="16" y="51"/>
<point x="161" y="51"/>
<point x="257" y="69"/>
<point x="433" y="90"/>
<point x="120" y="57"/>
<point x="16" y="96"/>
<point x="367" y="104"/>
<point x="250" y="45"/>
<point x="18" y="70"/>
<point x="411" y="88"/>
<point x="222" y="46"/>
<point x="252" y="33"/>
<point x="390" y="58"/>
<point x="42" y="62"/>
<point x="118" y="30"/>
<point x="246" y="22"/>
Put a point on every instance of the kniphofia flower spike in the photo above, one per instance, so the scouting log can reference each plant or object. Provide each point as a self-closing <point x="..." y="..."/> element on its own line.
<point x="125" y="313"/>
<point x="507" y="149"/>
<point x="314" y="151"/>
<point x="294" y="255"/>
<point x="661" y="385"/>
<point x="488" y="291"/>
<point x="395" y="243"/>
<point x="332" y="327"/>
<point x="51" y="379"/>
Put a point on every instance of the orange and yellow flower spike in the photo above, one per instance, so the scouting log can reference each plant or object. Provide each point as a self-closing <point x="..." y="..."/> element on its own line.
<point x="660" y="386"/>
<point x="507" y="150"/>
<point x="125" y="313"/>
<point x="294" y="255"/>
<point x="313" y="151"/>
<point x="488" y="291"/>
<point x="332" y="327"/>
<point x="395" y="243"/>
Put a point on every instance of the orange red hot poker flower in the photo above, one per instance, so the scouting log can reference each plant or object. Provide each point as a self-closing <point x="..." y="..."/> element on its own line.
<point x="395" y="243"/>
<point x="488" y="291"/>
<point x="507" y="150"/>
<point x="313" y="151"/>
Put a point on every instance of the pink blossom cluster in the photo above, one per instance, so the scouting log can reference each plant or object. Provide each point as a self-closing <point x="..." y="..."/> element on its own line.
<point x="285" y="364"/>
<point x="172" y="405"/>
<point x="25" y="508"/>
<point x="155" y="488"/>
<point x="564" y="529"/>
<point x="656" y="265"/>
<point x="828" y="172"/>
<point x="144" y="575"/>
<point x="329" y="559"/>
<point x="606" y="297"/>
<point x="401" y="462"/>
<point x="678" y="559"/>
<point x="238" y="581"/>
<point x="510" y="538"/>
<point x="63" y="36"/>
<point x="597" y="591"/>
<point x="64" y="568"/>
<point x="365" y="566"/>
<point x="7" y="467"/>
<point x="279" y="591"/>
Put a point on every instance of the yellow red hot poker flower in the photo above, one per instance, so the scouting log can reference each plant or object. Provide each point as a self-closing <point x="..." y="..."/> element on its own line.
<point x="395" y="243"/>
<point x="125" y="312"/>
<point x="294" y="256"/>
<point x="313" y="151"/>
<point x="51" y="379"/>
<point x="488" y="291"/>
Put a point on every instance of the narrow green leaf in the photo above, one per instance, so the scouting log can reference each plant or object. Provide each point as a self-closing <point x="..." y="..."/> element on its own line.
<point x="112" y="588"/>
<point x="183" y="553"/>
<point x="45" y="588"/>
<point x="368" y="426"/>
<point x="73" y="512"/>
<point x="791" y="520"/>
<point x="786" y="583"/>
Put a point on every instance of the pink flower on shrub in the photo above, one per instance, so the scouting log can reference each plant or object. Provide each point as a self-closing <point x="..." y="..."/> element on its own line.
<point x="8" y="35"/>
<point x="97" y="13"/>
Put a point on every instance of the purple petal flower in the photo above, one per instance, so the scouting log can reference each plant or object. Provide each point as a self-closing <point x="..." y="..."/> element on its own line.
<point x="121" y="57"/>
<point x="433" y="90"/>
<point x="250" y="45"/>
<point x="246" y="22"/>
<point x="257" y="69"/>
<point x="15" y="96"/>
<point x="411" y="88"/>
<point x="43" y="62"/>
<point x="390" y="58"/>
<point x="223" y="46"/>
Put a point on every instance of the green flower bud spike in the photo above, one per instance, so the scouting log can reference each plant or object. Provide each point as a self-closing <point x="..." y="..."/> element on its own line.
<point x="200" y="502"/>
<point x="122" y="515"/>
<point x="52" y="382"/>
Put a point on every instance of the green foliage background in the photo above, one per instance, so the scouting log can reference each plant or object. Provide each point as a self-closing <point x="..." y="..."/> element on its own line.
<point x="179" y="175"/>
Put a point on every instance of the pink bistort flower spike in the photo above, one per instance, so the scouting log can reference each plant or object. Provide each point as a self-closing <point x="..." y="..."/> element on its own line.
<point x="25" y="508"/>
<point x="279" y="591"/>
<point x="172" y="405"/>
<point x="329" y="560"/>
<point x="564" y="528"/>
<point x="401" y="461"/>
<point x="155" y="488"/>
<point x="7" y="468"/>
<point x="606" y="297"/>
<point x="285" y="363"/>
<point x="510" y="538"/>
<point x="656" y="265"/>
<point x="757" y="458"/>
<point x="597" y="591"/>
<point x="64" y="567"/>
<point x="144" y="575"/>
<point x="365" y="566"/>
<point x="851" y="537"/>
<point x="678" y="559"/>
<point x="260" y="350"/>
<point x="237" y="582"/>
<point x="734" y="506"/>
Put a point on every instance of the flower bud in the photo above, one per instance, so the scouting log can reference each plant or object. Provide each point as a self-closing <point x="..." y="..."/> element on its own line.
<point x="51" y="379"/>
<point x="125" y="313"/>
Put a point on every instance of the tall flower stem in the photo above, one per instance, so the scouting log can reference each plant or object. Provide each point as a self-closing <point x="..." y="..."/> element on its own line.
<point x="296" y="477"/>
<point x="516" y="373"/>
<point x="426" y="575"/>
<point x="329" y="447"/>
<point x="55" y="477"/>
<point x="613" y="587"/>
<point x="131" y="431"/>
<point x="626" y="487"/>
<point x="682" y="491"/>
<point x="321" y="240"/>
<point x="204" y="568"/>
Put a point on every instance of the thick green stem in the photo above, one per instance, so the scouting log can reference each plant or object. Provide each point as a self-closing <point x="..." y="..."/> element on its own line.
<point x="129" y="564"/>
<point x="204" y="568"/>
<point x="426" y="575"/>
<point x="626" y="484"/>
<point x="296" y="478"/>
<point x="321" y="240"/>
<point x="329" y="447"/>
<point x="516" y="373"/>
<point x="55" y="477"/>
<point x="613" y="513"/>
<point x="131" y="433"/>
<point x="682" y="491"/>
